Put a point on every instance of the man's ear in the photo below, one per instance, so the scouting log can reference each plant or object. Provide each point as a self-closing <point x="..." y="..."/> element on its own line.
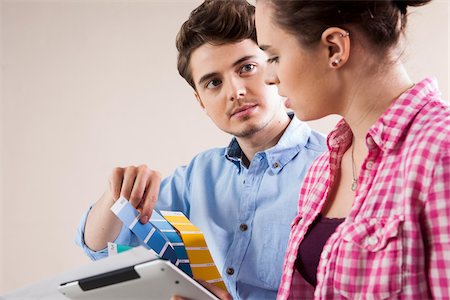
<point x="338" y="42"/>
<point x="200" y="102"/>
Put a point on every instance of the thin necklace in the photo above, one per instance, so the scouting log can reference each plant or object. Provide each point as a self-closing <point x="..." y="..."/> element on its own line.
<point x="354" y="177"/>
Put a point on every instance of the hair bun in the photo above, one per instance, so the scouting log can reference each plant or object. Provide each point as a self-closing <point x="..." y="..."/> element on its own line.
<point x="403" y="4"/>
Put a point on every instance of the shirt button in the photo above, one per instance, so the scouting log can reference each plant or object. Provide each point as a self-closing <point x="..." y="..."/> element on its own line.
<point x="243" y="181"/>
<point x="370" y="142"/>
<point x="369" y="165"/>
<point x="230" y="271"/>
<point x="243" y="227"/>
<point x="275" y="165"/>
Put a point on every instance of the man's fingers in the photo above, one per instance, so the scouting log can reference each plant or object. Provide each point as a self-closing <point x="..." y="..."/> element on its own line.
<point x="139" y="185"/>
<point x="128" y="181"/>
<point x="115" y="182"/>
<point x="151" y="195"/>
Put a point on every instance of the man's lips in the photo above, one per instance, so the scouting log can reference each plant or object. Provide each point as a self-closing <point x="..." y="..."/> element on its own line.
<point x="242" y="108"/>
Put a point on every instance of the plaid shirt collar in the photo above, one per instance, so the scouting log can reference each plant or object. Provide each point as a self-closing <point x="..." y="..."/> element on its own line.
<point x="393" y="123"/>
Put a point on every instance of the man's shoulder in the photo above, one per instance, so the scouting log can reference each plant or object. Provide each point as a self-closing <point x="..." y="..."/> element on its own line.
<point x="212" y="152"/>
<point x="300" y="132"/>
<point x="210" y="161"/>
<point x="317" y="141"/>
<point x="209" y="156"/>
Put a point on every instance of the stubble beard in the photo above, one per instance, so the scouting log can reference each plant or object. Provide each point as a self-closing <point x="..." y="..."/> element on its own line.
<point x="251" y="129"/>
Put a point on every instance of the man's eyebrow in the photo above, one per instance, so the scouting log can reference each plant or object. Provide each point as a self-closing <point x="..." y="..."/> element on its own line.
<point x="207" y="77"/>
<point x="242" y="59"/>
<point x="215" y="74"/>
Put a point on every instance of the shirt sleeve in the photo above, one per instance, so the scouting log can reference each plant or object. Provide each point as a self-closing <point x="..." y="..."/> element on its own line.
<point x="174" y="191"/>
<point x="124" y="238"/>
<point x="437" y="214"/>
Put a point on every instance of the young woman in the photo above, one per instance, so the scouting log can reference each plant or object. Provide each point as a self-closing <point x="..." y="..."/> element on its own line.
<point x="374" y="211"/>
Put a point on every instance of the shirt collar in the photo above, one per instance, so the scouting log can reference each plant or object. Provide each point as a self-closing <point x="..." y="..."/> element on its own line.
<point x="393" y="123"/>
<point x="233" y="151"/>
<point x="293" y="139"/>
<point x="341" y="136"/>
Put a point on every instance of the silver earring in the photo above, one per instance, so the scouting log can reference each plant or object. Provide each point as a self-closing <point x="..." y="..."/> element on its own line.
<point x="335" y="62"/>
<point x="346" y="34"/>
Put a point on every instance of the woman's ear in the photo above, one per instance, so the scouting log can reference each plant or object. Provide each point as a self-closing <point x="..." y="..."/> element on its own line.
<point x="338" y="42"/>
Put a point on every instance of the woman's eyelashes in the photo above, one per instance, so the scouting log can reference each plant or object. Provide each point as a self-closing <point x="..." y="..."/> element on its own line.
<point x="273" y="59"/>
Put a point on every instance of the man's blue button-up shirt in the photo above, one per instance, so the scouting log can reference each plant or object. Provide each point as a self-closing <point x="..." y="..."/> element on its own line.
<point x="244" y="213"/>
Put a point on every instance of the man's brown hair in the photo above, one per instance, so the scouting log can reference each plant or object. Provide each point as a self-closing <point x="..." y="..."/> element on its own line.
<point x="215" y="22"/>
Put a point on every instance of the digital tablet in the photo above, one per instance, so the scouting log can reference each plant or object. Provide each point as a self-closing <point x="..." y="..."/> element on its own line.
<point x="156" y="279"/>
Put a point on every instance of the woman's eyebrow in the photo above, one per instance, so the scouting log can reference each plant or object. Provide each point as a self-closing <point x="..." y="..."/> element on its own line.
<point x="264" y="47"/>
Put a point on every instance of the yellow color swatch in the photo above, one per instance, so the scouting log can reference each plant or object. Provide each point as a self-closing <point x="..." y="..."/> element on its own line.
<point x="202" y="264"/>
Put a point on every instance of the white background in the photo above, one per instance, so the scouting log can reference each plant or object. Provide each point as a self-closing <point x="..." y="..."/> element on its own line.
<point x="90" y="85"/>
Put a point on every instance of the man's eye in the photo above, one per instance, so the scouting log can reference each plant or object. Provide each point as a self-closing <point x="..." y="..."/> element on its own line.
<point x="247" y="68"/>
<point x="213" y="83"/>
<point x="272" y="60"/>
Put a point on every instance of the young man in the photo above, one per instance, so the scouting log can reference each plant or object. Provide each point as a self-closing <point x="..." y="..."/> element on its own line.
<point x="243" y="197"/>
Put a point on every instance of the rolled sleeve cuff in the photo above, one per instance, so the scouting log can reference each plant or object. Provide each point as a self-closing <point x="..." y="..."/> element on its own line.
<point x="124" y="238"/>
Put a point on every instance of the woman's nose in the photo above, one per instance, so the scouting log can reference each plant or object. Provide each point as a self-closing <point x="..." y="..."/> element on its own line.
<point x="270" y="76"/>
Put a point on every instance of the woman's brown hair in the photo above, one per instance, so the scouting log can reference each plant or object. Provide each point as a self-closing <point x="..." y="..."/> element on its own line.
<point x="381" y="21"/>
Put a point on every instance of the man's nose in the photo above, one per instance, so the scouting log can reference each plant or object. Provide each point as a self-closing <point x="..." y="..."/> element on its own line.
<point x="236" y="89"/>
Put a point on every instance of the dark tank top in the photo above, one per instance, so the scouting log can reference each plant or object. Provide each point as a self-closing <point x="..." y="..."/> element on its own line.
<point x="310" y="248"/>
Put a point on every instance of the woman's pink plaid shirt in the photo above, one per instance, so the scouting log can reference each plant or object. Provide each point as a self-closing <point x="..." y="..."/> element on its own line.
<point x="395" y="243"/>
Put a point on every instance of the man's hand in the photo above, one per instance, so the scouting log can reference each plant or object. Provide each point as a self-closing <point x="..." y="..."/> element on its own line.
<point x="221" y="294"/>
<point x="140" y="185"/>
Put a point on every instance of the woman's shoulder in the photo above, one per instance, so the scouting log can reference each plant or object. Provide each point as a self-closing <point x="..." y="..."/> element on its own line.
<point x="429" y="133"/>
